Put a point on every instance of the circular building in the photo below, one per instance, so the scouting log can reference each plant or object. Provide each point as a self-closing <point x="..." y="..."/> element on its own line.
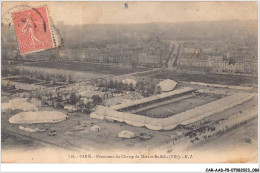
<point x="167" y="85"/>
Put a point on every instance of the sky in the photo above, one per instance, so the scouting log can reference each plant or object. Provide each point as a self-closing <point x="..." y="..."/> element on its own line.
<point x="74" y="13"/>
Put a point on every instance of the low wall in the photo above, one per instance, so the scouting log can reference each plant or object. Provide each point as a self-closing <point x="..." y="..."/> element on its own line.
<point x="222" y="86"/>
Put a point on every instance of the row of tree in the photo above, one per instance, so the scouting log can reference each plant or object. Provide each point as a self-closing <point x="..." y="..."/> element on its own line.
<point x="73" y="99"/>
<point x="117" y="85"/>
<point x="43" y="76"/>
<point x="146" y="89"/>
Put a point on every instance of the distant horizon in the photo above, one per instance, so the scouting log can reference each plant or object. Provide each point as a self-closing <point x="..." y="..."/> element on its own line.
<point x="138" y="12"/>
<point x="184" y="22"/>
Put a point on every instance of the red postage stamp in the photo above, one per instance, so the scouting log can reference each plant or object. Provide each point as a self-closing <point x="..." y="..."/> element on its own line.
<point x="33" y="30"/>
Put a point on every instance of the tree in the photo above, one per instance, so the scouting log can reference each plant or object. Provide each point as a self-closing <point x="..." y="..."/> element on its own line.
<point x="86" y="108"/>
<point x="126" y="86"/>
<point x="158" y="89"/>
<point x="41" y="76"/>
<point x="115" y="84"/>
<point x="62" y="78"/>
<point x="131" y="87"/>
<point x="16" y="72"/>
<point x="142" y="87"/>
<point x="59" y="97"/>
<point x="111" y="84"/>
<point x="100" y="83"/>
<point x="152" y="88"/>
<point x="231" y="61"/>
<point x="119" y="87"/>
<point x="39" y="96"/>
<point x="145" y="93"/>
<point x="47" y="77"/>
<point x="68" y="78"/>
<point x="95" y="82"/>
<point x="73" y="99"/>
<point x="104" y="83"/>
<point x="12" y="87"/>
<point x="96" y="99"/>
<point x="137" y="86"/>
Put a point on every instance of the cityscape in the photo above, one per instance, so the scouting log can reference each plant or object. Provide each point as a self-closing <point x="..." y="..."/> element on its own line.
<point x="163" y="88"/>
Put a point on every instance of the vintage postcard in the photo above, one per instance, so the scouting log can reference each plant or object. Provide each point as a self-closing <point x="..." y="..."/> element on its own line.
<point x="129" y="82"/>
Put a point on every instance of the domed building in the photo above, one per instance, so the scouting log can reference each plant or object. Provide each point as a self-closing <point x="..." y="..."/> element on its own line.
<point x="167" y="85"/>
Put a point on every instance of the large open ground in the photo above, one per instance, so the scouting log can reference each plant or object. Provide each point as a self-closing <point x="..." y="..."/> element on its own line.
<point x="85" y="67"/>
<point x="176" y="107"/>
<point x="227" y="79"/>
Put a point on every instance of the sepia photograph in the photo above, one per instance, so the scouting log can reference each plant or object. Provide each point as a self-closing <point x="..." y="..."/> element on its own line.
<point x="129" y="82"/>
